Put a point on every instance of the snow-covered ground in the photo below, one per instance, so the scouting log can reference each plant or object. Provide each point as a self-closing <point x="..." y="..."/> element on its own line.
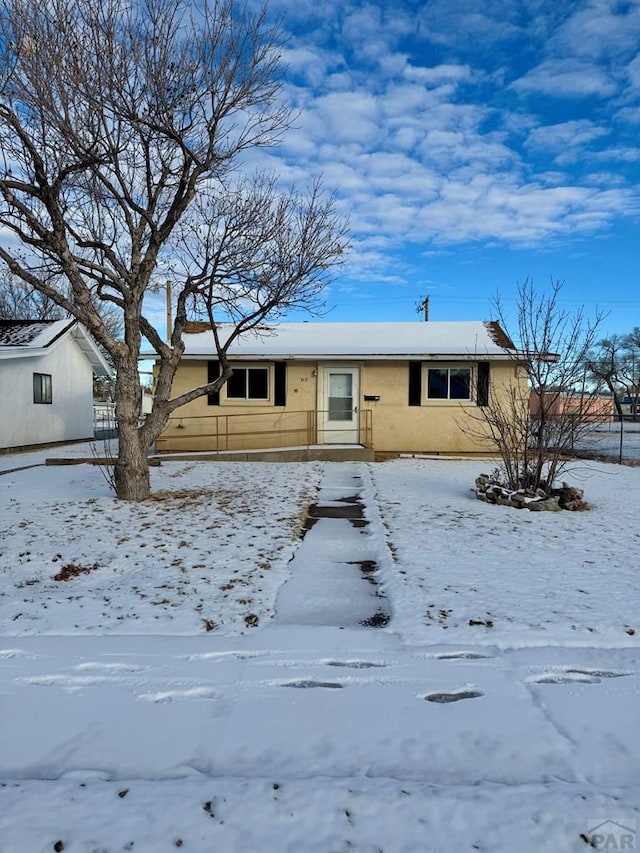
<point x="421" y="671"/>
<point x="606" y="439"/>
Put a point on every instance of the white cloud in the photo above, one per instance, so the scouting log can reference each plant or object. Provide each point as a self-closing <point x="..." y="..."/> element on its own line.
<point x="438" y="74"/>
<point x="573" y="134"/>
<point x="567" y="77"/>
<point x="311" y="64"/>
<point x="599" y="29"/>
<point x="589" y="50"/>
<point x="619" y="153"/>
<point x="633" y="73"/>
<point x="525" y="214"/>
<point x="629" y="115"/>
<point x="369" y="25"/>
<point x="455" y="22"/>
<point x="428" y="147"/>
<point x="347" y="117"/>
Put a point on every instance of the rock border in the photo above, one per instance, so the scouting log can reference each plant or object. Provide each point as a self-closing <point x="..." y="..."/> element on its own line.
<point x="565" y="497"/>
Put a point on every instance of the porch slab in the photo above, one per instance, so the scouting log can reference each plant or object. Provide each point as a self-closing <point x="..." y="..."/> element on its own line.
<point x="323" y="453"/>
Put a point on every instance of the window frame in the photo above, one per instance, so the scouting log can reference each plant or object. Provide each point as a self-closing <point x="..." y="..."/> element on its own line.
<point x="246" y="368"/>
<point x="42" y="389"/>
<point x="448" y="399"/>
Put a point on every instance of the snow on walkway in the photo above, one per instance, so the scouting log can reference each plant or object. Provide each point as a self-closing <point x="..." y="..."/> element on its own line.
<point x="334" y="578"/>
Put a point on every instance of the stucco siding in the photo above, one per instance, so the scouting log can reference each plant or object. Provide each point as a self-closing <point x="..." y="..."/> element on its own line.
<point x="201" y="426"/>
<point x="434" y="426"/>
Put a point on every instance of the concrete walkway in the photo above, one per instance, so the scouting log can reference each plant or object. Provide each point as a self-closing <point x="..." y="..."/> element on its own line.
<point x="334" y="577"/>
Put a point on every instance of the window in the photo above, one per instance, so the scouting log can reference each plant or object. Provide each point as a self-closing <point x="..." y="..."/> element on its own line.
<point x="340" y="397"/>
<point x="449" y="383"/>
<point x="42" y="388"/>
<point x="248" y="383"/>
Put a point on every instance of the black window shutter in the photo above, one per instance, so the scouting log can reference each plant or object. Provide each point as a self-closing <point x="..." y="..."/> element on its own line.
<point x="280" y="383"/>
<point x="415" y="383"/>
<point x="482" y="391"/>
<point x="213" y="371"/>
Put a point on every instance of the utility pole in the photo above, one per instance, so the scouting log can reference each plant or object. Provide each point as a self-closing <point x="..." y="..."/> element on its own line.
<point x="423" y="305"/>
<point x="169" y="312"/>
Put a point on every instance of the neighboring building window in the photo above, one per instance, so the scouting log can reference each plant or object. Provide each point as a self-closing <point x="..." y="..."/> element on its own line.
<point x="449" y="383"/>
<point x="42" y="388"/>
<point x="248" y="383"/>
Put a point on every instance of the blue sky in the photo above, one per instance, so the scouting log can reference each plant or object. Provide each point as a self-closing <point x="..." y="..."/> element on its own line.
<point x="473" y="144"/>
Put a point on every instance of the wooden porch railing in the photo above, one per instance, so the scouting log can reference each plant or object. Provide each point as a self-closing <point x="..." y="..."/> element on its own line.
<point x="257" y="431"/>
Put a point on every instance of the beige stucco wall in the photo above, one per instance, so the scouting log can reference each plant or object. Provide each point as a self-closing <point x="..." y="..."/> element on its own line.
<point x="199" y="426"/>
<point x="436" y="426"/>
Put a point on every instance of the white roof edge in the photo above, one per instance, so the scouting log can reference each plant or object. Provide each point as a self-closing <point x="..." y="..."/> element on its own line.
<point x="22" y="352"/>
<point x="474" y="356"/>
<point x="92" y="350"/>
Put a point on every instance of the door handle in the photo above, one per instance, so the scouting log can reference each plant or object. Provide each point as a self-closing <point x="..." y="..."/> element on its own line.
<point x="355" y="410"/>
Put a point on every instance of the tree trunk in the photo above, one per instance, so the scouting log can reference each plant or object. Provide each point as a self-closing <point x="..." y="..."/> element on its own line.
<point x="616" y="402"/>
<point x="132" y="466"/>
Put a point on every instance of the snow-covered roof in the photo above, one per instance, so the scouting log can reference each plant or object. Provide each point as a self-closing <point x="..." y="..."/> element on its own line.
<point x="32" y="334"/>
<point x="432" y="340"/>
<point x="24" y="338"/>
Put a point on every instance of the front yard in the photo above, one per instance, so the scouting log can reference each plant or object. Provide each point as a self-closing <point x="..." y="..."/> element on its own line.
<point x="151" y="701"/>
<point x="210" y="551"/>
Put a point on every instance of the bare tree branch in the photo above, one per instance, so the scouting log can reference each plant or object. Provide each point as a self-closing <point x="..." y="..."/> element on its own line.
<point x="121" y="129"/>
<point x="549" y="405"/>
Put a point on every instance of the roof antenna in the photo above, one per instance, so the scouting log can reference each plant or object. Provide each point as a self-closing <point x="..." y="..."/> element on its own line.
<point x="423" y="305"/>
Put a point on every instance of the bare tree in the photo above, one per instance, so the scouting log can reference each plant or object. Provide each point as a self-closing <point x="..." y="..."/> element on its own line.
<point x="631" y="370"/>
<point x="19" y="301"/>
<point x="122" y="126"/>
<point x="535" y="422"/>
<point x="615" y="364"/>
<point x="606" y="364"/>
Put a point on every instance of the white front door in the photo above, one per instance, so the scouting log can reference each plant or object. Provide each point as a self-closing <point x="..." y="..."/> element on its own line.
<point x="339" y="423"/>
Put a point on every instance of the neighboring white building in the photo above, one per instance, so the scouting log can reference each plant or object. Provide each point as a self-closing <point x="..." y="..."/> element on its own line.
<point x="46" y="382"/>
